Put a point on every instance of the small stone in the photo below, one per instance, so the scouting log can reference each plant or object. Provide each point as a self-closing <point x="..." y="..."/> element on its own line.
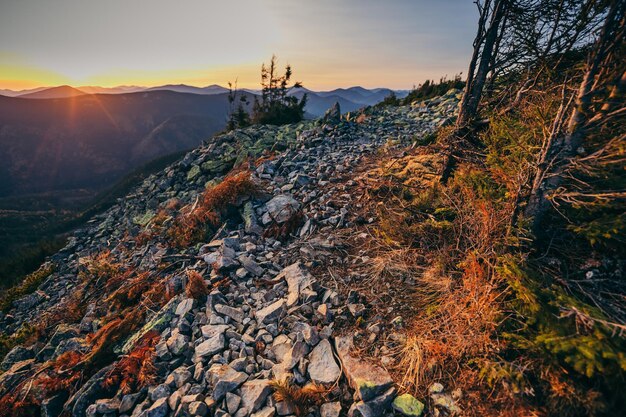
<point x="184" y="307"/>
<point x="177" y="343"/>
<point x="161" y="391"/>
<point x="232" y="402"/>
<point x="280" y="209"/>
<point x="107" y="406"/>
<point x="368" y="380"/>
<point x="266" y="412"/>
<point x="284" y="408"/>
<point x="251" y="266"/>
<point x="198" y="408"/>
<point x="330" y="409"/>
<point x="234" y="313"/>
<point x="435" y="388"/>
<point x="174" y="400"/>
<point x="186" y="399"/>
<point x="211" y="346"/>
<point x="128" y="402"/>
<point x="160" y="408"/>
<point x="179" y="377"/>
<point x="298" y="279"/>
<point x="224" y="379"/>
<point x="356" y="310"/>
<point x="211" y="330"/>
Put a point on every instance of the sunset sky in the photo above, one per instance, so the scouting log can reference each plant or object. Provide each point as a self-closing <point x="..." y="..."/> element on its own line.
<point x="329" y="43"/>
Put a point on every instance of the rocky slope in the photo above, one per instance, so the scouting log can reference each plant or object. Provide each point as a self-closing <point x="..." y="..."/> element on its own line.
<point x="122" y="326"/>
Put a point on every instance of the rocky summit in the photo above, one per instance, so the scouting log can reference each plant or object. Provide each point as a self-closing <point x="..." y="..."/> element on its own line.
<point x="157" y="308"/>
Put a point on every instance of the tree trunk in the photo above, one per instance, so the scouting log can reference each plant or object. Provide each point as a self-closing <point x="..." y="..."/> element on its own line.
<point x="484" y="51"/>
<point x="474" y="90"/>
<point x="562" y="148"/>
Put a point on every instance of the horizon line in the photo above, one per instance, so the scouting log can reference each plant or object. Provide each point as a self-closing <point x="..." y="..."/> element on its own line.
<point x="78" y="87"/>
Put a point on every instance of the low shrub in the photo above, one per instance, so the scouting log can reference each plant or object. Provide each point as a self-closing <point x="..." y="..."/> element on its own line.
<point x="300" y="399"/>
<point x="211" y="208"/>
<point x="28" y="285"/>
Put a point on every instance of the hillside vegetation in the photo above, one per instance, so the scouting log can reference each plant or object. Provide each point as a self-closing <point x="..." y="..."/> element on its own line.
<point x="459" y="254"/>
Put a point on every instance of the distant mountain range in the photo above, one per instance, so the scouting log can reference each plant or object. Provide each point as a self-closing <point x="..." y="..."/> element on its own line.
<point x="90" y="140"/>
<point x="63" y="138"/>
<point x="350" y="99"/>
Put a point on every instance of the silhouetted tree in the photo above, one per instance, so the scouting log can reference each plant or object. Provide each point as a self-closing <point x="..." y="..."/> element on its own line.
<point x="276" y="106"/>
<point x="238" y="117"/>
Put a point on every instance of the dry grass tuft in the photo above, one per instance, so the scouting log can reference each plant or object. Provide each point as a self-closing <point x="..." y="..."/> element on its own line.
<point x="191" y="226"/>
<point x="157" y="224"/>
<point x="64" y="375"/>
<point x="300" y="399"/>
<point x="135" y="370"/>
<point x="131" y="289"/>
<point x="100" y="267"/>
<point x="104" y="341"/>
<point x="390" y="262"/>
<point x="196" y="287"/>
<point x="11" y="405"/>
<point x="446" y="240"/>
<point x="458" y="323"/>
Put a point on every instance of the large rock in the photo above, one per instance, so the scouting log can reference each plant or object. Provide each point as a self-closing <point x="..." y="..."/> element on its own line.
<point x="224" y="379"/>
<point x="15" y="375"/>
<point x="266" y="412"/>
<point x="330" y="409"/>
<point x="185" y="306"/>
<point x="250" y="265"/>
<point x="254" y="393"/>
<point x="322" y="367"/>
<point x="91" y="390"/>
<point x="373" y="408"/>
<point x="15" y="355"/>
<point x="369" y="381"/>
<point x="280" y="209"/>
<point x="160" y="408"/>
<point x="177" y="343"/>
<point x="270" y="313"/>
<point x="211" y="330"/>
<point x="211" y="346"/>
<point x="333" y="115"/>
<point x="298" y="279"/>
<point x="53" y="406"/>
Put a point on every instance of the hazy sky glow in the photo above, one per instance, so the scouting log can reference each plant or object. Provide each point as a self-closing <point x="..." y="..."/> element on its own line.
<point x="329" y="43"/>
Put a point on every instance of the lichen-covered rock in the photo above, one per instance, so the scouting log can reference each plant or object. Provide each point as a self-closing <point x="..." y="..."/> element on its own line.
<point x="408" y="405"/>
<point x="157" y="323"/>
<point x="368" y="380"/>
